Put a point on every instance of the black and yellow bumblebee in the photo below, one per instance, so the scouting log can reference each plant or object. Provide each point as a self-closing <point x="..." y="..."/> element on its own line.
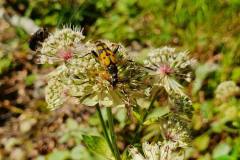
<point x="107" y="59"/>
<point x="37" y="38"/>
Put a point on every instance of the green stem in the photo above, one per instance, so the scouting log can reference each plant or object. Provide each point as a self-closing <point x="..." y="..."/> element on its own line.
<point x="111" y="129"/>
<point x="139" y="127"/>
<point x="149" y="109"/>
<point x="104" y="129"/>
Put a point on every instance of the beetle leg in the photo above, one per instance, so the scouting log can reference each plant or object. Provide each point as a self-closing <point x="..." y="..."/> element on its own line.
<point x="94" y="53"/>
<point x="116" y="49"/>
<point x="85" y="55"/>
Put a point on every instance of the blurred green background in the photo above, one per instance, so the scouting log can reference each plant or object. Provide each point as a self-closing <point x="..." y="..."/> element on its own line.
<point x="208" y="29"/>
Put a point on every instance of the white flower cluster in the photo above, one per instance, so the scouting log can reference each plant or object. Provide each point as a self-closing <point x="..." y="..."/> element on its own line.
<point x="176" y="130"/>
<point x="54" y="93"/>
<point x="226" y="89"/>
<point x="176" y="138"/>
<point x="62" y="45"/>
<point x="84" y="77"/>
<point x="168" y="67"/>
<point x="165" y="150"/>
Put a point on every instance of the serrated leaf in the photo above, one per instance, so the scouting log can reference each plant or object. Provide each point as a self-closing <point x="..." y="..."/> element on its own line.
<point x="98" y="145"/>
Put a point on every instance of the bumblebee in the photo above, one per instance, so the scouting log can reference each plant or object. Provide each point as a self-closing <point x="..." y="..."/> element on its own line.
<point x="107" y="58"/>
<point x="37" y="38"/>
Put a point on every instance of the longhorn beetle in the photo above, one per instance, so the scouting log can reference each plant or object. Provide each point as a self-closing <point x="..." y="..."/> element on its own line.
<point x="107" y="58"/>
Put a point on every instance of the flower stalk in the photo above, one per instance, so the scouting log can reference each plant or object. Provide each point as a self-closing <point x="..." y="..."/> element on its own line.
<point x="105" y="132"/>
<point x="150" y="107"/>
<point x="112" y="133"/>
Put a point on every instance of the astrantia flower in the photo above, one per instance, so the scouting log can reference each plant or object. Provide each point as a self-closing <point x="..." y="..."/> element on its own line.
<point x="90" y="82"/>
<point x="175" y="129"/>
<point x="226" y="89"/>
<point x="56" y="90"/>
<point x="135" y="154"/>
<point x="62" y="45"/>
<point x="168" y="67"/>
<point x="165" y="150"/>
<point x="151" y="152"/>
<point x="169" y="151"/>
<point x="176" y="138"/>
<point x="54" y="93"/>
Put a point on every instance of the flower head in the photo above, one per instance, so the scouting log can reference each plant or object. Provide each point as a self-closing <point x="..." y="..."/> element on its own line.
<point x="176" y="129"/>
<point x="165" y="150"/>
<point x="62" y="45"/>
<point x="56" y="90"/>
<point x="65" y="54"/>
<point x="90" y="82"/>
<point x="151" y="152"/>
<point x="168" y="67"/>
<point x="226" y="89"/>
<point x="94" y="81"/>
<point x="169" y="151"/>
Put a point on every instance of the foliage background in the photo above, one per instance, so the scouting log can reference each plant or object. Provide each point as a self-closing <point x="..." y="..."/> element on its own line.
<point x="210" y="30"/>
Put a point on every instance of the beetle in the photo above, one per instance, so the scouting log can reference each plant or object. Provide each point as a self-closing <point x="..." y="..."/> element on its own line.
<point x="37" y="38"/>
<point x="107" y="59"/>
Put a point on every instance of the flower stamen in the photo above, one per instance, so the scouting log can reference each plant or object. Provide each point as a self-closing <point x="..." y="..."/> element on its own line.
<point x="65" y="54"/>
<point x="165" y="69"/>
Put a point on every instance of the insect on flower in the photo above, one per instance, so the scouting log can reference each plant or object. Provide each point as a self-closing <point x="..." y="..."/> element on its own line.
<point x="37" y="38"/>
<point x="107" y="59"/>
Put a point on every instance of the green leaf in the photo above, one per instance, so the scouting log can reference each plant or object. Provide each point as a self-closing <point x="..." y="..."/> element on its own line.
<point x="121" y="116"/>
<point x="5" y="64"/>
<point x="235" y="74"/>
<point x="201" y="142"/>
<point x="90" y="101"/>
<point x="72" y="124"/>
<point x="222" y="149"/>
<point x="137" y="116"/>
<point x="225" y="157"/>
<point x="30" y="79"/>
<point x="40" y="158"/>
<point x="156" y="114"/>
<point x="98" y="145"/>
<point x="59" y="155"/>
<point x="201" y="73"/>
<point x="80" y="153"/>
